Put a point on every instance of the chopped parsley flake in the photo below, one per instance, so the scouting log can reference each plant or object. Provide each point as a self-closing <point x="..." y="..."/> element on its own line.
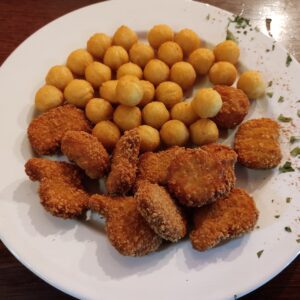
<point x="245" y="32"/>
<point x="273" y="47"/>
<point x="287" y="167"/>
<point x="208" y="17"/>
<point x="270" y="94"/>
<point x="294" y="139"/>
<point x="230" y="36"/>
<point x="298" y="113"/>
<point x="284" y="119"/>
<point x="288" y="199"/>
<point x="298" y="240"/>
<point x="288" y="60"/>
<point x="256" y="29"/>
<point x="297" y="101"/>
<point x="288" y="229"/>
<point x="281" y="99"/>
<point x="270" y="83"/>
<point x="295" y="151"/>
<point x="267" y="50"/>
<point x="277" y="216"/>
<point x="259" y="253"/>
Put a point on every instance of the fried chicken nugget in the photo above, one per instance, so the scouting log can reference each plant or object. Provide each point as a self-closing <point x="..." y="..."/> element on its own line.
<point x="225" y="219"/>
<point x="46" y="131"/>
<point x="126" y="229"/>
<point x="124" y="163"/>
<point x="227" y="157"/>
<point x="234" y="109"/>
<point x="61" y="191"/>
<point x="87" y="152"/>
<point x="256" y="143"/>
<point x="154" y="166"/>
<point x="197" y="178"/>
<point x="160" y="211"/>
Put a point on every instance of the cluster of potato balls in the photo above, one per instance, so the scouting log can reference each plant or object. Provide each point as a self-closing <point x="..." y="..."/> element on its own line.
<point x="122" y="83"/>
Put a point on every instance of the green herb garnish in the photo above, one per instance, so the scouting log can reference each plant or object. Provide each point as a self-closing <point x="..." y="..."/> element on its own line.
<point x="298" y="240"/>
<point x="208" y="17"/>
<point x="288" y="229"/>
<point x="230" y="36"/>
<point x="287" y="167"/>
<point x="288" y="199"/>
<point x="295" y="151"/>
<point x="270" y="94"/>
<point x="284" y="119"/>
<point x="281" y="99"/>
<point x="298" y="113"/>
<point x="294" y="139"/>
<point x="288" y="60"/>
<point x="256" y="29"/>
<point x="267" y="50"/>
<point x="277" y="216"/>
<point x="270" y="83"/>
<point x="273" y="47"/>
<point x="259" y="253"/>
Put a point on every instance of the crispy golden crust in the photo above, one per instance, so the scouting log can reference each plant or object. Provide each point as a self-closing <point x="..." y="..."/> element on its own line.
<point x="124" y="163"/>
<point x="160" y="211"/>
<point x="154" y="166"/>
<point x="256" y="143"/>
<point x="61" y="191"/>
<point x="87" y="152"/>
<point x="46" y="131"/>
<point x="227" y="218"/>
<point x="197" y="178"/>
<point x="126" y="229"/>
<point x="234" y="109"/>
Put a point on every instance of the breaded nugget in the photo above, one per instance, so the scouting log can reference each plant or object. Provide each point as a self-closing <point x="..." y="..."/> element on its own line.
<point x="87" y="152"/>
<point x="61" y="191"/>
<point x="227" y="218"/>
<point x="154" y="166"/>
<point x="256" y="144"/>
<point x="197" y="178"/>
<point x="234" y="109"/>
<point x="124" y="163"/>
<point x="227" y="157"/>
<point x="160" y="211"/>
<point x="46" y="131"/>
<point x="126" y="229"/>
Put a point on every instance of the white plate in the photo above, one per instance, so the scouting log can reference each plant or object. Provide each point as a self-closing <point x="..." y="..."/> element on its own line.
<point x="75" y="256"/>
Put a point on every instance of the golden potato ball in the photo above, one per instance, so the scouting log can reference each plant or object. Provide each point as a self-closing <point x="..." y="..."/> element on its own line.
<point x="125" y="37"/>
<point x="202" y="59"/>
<point x="184" y="112"/>
<point x="155" y="114"/>
<point x="149" y="92"/>
<point x="207" y="103"/>
<point x="98" y="44"/>
<point x="78" y="60"/>
<point x="130" y="69"/>
<point x="227" y="51"/>
<point x="156" y="71"/>
<point x="170" y="53"/>
<point x="252" y="84"/>
<point x="59" y="76"/>
<point x="98" y="109"/>
<point x="141" y="54"/>
<point x="96" y="73"/>
<point x="78" y="92"/>
<point x="174" y="133"/>
<point x="159" y="34"/>
<point x="150" y="139"/>
<point x="107" y="91"/>
<point x="107" y="133"/>
<point x="127" y="117"/>
<point x="188" y="40"/>
<point x="129" y="90"/>
<point x="47" y="97"/>
<point x="204" y="131"/>
<point x="169" y="93"/>
<point x="183" y="74"/>
<point x="222" y="72"/>
<point x="115" y="56"/>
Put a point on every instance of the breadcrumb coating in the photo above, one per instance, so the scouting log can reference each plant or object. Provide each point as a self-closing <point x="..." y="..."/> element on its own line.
<point x="61" y="191"/>
<point x="124" y="163"/>
<point x="160" y="211"/>
<point x="234" y="109"/>
<point x="224" y="219"/>
<point x="256" y="143"/>
<point x="87" y="152"/>
<point x="154" y="166"/>
<point x="197" y="178"/>
<point x="46" y="131"/>
<point x="126" y="229"/>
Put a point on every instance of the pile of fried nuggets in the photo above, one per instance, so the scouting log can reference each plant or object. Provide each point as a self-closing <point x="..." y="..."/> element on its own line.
<point x="150" y="197"/>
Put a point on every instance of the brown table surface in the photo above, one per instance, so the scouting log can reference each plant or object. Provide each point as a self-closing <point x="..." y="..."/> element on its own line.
<point x="19" y="19"/>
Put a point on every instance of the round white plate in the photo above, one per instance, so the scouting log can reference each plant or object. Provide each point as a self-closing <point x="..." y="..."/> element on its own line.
<point x="75" y="256"/>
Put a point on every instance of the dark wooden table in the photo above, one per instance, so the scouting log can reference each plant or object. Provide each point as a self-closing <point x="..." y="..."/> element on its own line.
<point x="19" y="19"/>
